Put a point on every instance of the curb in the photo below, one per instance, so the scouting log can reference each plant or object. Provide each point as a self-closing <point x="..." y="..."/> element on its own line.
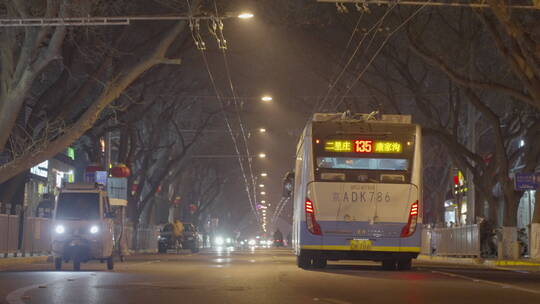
<point x="511" y="263"/>
<point x="26" y="260"/>
<point x="476" y="261"/>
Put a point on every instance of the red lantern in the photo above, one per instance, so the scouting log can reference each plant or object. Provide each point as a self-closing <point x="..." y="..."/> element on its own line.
<point x="120" y="171"/>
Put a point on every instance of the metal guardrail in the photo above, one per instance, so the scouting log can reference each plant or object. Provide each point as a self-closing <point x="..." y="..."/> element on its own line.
<point x="462" y="241"/>
<point x="426" y="248"/>
<point x="9" y="234"/>
<point x="37" y="236"/>
<point x="147" y="238"/>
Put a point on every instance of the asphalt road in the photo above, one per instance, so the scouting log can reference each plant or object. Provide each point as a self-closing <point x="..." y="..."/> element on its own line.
<point x="263" y="276"/>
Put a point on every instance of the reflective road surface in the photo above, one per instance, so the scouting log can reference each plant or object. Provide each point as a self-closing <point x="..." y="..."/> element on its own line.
<point x="263" y="276"/>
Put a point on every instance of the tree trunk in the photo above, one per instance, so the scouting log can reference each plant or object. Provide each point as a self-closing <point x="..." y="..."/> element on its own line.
<point x="12" y="192"/>
<point x="511" y="204"/>
<point x="493" y="208"/>
<point x="478" y="205"/>
<point x="135" y="235"/>
<point x="536" y="212"/>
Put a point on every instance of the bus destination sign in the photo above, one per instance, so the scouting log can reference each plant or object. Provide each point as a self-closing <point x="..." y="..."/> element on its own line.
<point x="363" y="146"/>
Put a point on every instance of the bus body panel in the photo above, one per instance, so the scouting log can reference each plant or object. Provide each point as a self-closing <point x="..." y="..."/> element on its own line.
<point x="351" y="211"/>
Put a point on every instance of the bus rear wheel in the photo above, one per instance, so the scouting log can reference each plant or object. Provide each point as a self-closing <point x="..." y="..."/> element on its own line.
<point x="303" y="260"/>
<point x="319" y="262"/>
<point x="389" y="264"/>
<point x="405" y="264"/>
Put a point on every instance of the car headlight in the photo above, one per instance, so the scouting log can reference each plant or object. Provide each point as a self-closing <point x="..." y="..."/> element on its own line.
<point x="60" y="229"/>
<point x="94" y="229"/>
<point x="219" y="241"/>
<point x="252" y="242"/>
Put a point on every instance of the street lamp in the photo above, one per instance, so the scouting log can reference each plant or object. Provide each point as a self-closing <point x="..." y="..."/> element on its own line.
<point x="245" y="15"/>
<point x="261" y="185"/>
<point x="263" y="202"/>
<point x="262" y="155"/>
<point x="263" y="193"/>
<point x="266" y="98"/>
<point x="264" y="174"/>
<point x="262" y="130"/>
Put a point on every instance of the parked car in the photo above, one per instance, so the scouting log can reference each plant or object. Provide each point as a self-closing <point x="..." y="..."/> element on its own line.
<point x="191" y="238"/>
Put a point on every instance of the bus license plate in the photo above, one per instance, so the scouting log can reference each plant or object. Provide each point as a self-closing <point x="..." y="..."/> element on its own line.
<point x="360" y="244"/>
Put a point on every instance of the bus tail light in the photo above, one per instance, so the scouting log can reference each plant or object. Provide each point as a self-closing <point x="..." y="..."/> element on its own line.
<point x="410" y="228"/>
<point x="311" y="221"/>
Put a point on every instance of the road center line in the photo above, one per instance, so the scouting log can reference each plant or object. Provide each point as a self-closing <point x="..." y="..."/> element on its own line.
<point x="503" y="285"/>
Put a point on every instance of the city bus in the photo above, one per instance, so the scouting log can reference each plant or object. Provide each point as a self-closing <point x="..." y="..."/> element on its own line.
<point x="358" y="190"/>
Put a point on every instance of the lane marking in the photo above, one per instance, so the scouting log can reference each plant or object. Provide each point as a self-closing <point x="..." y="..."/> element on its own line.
<point x="503" y="285"/>
<point x="17" y="296"/>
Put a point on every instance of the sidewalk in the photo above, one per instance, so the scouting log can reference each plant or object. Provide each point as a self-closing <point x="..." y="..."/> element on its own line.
<point x="531" y="264"/>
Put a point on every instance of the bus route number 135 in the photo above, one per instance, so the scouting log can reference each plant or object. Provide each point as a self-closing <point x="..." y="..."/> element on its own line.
<point x="363" y="146"/>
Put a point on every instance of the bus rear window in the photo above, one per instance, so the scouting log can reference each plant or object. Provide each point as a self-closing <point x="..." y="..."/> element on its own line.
<point x="352" y="163"/>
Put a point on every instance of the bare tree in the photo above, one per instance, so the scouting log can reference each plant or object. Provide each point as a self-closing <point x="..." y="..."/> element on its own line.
<point x="121" y="57"/>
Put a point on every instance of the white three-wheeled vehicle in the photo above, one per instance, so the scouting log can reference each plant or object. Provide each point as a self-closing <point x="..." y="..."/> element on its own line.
<point x="83" y="227"/>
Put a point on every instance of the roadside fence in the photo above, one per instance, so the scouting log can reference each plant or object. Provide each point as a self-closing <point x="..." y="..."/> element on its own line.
<point x="147" y="238"/>
<point x="36" y="236"/>
<point x="9" y="234"/>
<point x="461" y="241"/>
<point x="33" y="237"/>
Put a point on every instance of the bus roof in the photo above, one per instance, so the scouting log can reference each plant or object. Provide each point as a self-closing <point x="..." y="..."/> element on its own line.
<point x="385" y="118"/>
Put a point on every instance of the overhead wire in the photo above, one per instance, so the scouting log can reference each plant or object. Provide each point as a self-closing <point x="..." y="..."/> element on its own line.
<point x="197" y="39"/>
<point x="237" y="108"/>
<point x="320" y="105"/>
<point x="383" y="44"/>
<point x="377" y="24"/>
<point x="281" y="205"/>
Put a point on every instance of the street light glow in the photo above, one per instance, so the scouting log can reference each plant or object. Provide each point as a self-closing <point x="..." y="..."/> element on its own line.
<point x="263" y="193"/>
<point x="245" y="15"/>
<point x="261" y="185"/>
<point x="264" y="174"/>
<point x="266" y="98"/>
<point x="262" y="130"/>
<point x="263" y="201"/>
<point x="262" y="155"/>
